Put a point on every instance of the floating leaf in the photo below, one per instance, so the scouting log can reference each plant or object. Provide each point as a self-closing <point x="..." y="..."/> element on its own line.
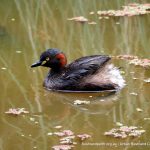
<point x="126" y="57"/>
<point x="79" y="102"/>
<point x="119" y="124"/>
<point x="135" y="94"/>
<point x="146" y="118"/>
<point x="83" y="136"/>
<point x="3" y="68"/>
<point x="136" y="133"/>
<point x="64" y="133"/>
<point x="32" y="119"/>
<point x="49" y="133"/>
<point x="59" y="133"/>
<point x="129" y="10"/>
<point x="91" y="13"/>
<point x="106" y="17"/>
<point x="147" y="80"/>
<point x="139" y="109"/>
<point x="67" y="140"/>
<point x="92" y="23"/>
<point x="62" y="147"/>
<point x="135" y="60"/>
<point x="100" y="18"/>
<point x="16" y="111"/>
<point x="141" y="62"/>
<point x="58" y="127"/>
<point x="68" y="132"/>
<point x="120" y="135"/>
<point x="124" y="132"/>
<point x="18" y="52"/>
<point x="117" y="23"/>
<point x="133" y="127"/>
<point x="125" y="129"/>
<point x="13" y="19"/>
<point x="79" y="19"/>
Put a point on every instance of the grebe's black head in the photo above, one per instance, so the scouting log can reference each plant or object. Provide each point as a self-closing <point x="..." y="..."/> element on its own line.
<point x="52" y="58"/>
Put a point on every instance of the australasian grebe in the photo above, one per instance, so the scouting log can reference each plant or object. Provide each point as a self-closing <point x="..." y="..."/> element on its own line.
<point x="89" y="73"/>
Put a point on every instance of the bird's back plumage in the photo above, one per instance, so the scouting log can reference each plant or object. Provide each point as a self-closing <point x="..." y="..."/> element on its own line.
<point x="84" y="74"/>
<point x="90" y="73"/>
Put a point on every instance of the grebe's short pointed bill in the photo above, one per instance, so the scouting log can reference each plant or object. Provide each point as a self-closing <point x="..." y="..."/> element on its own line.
<point x="39" y="63"/>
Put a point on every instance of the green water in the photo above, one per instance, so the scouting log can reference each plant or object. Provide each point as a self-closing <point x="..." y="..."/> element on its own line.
<point x="29" y="27"/>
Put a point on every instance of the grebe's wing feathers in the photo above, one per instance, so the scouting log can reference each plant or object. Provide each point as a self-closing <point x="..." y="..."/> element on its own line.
<point x="98" y="59"/>
<point x="85" y="66"/>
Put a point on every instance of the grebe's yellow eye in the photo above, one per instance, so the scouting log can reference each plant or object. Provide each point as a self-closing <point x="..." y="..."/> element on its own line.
<point x="47" y="59"/>
<point x="44" y="62"/>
